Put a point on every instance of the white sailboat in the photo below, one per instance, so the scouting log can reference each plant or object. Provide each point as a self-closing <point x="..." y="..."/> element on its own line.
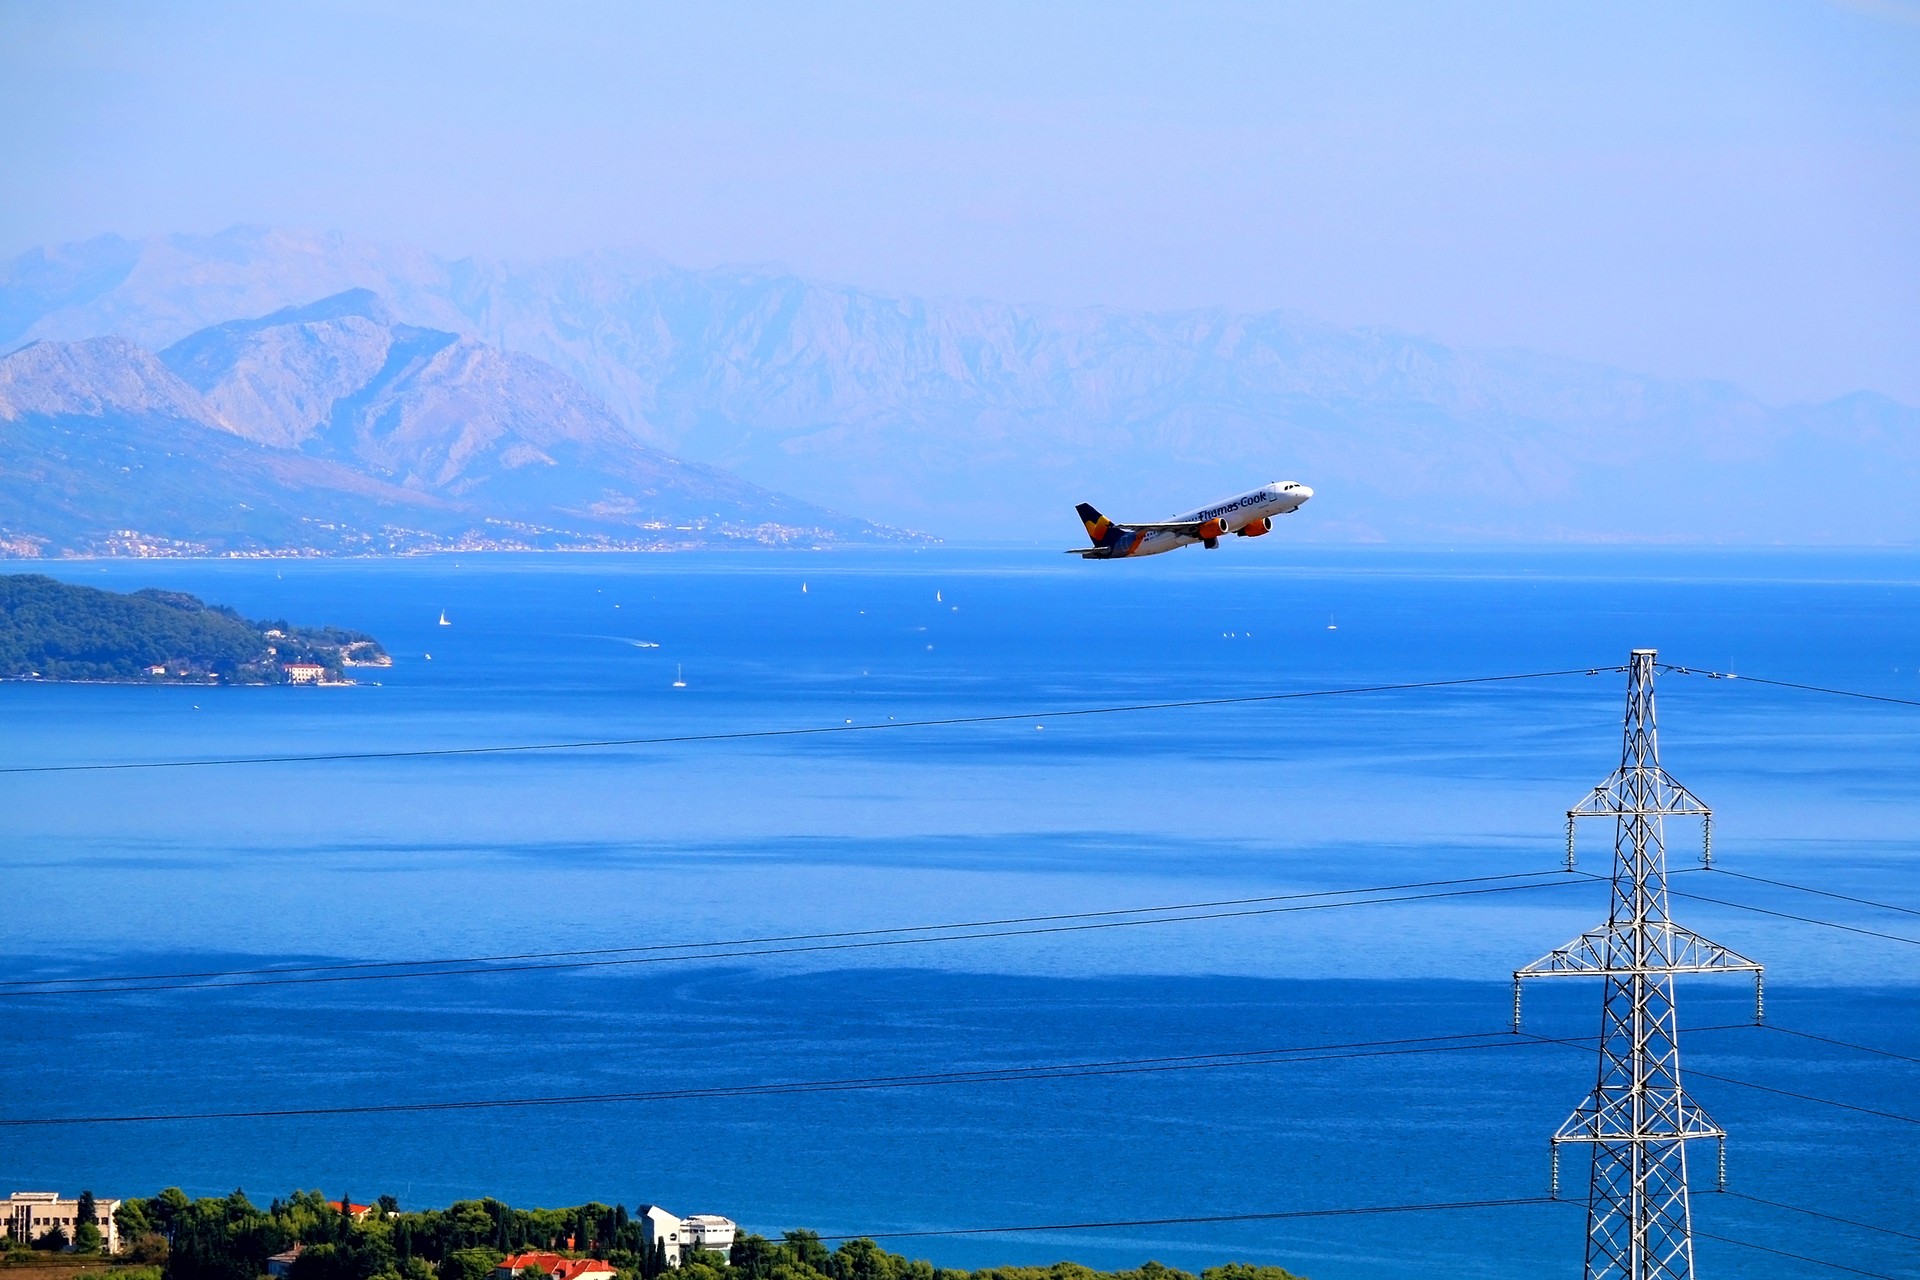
<point x="443" y="619"/>
<point x="679" y="681"/>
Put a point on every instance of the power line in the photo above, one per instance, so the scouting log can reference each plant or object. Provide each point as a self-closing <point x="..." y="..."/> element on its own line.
<point x="1697" y="1073"/>
<point x="1844" y="1044"/>
<point x="821" y="730"/>
<point x="1804" y="1097"/>
<point x="1352" y="1211"/>
<point x="1789" y="684"/>
<point x="1453" y="1043"/>
<point x="1823" y="893"/>
<point x="1830" y="1217"/>
<point x="1790" y="915"/>
<point x="797" y="949"/>
<point x="277" y="970"/>
<point x="1797" y="1257"/>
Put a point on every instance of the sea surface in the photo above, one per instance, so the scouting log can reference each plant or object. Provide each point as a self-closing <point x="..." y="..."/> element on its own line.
<point x="681" y="845"/>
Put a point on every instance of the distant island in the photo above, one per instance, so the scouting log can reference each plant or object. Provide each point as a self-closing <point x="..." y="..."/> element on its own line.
<point x="310" y="1237"/>
<point x="51" y="630"/>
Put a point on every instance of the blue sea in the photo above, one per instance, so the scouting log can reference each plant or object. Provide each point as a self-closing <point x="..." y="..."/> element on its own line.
<point x="189" y="870"/>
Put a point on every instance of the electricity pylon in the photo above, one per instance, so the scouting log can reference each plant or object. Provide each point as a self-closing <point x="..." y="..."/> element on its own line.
<point x="1638" y="1119"/>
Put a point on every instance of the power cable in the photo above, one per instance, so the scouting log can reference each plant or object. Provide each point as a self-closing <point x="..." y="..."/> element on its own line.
<point x="279" y="970"/>
<point x="1830" y="1217"/>
<point x="1206" y="1219"/>
<point x="793" y="950"/>
<point x="1823" y="893"/>
<point x="744" y="735"/>
<point x="1797" y="1257"/>
<point x="1789" y="915"/>
<point x="1844" y="1044"/>
<point x="1789" y="684"/>
<point x="1454" y="1043"/>
<point x="1697" y="1073"/>
<point x="1804" y="1097"/>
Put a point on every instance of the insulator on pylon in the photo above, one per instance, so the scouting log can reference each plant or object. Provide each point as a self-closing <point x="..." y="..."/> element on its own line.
<point x="1569" y="839"/>
<point x="1759" y="998"/>
<point x="1706" y="841"/>
<point x="1553" y="1177"/>
<point x="1721" y="1183"/>
<point x="1516" y="1003"/>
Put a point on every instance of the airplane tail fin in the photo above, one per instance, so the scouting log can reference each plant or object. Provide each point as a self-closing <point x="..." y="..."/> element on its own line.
<point x="1099" y="528"/>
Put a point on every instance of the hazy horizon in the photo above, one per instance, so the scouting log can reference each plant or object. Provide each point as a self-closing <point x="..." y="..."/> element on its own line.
<point x="1725" y="192"/>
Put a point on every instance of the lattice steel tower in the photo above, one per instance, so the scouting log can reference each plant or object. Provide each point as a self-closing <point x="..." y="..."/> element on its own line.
<point x="1638" y="1119"/>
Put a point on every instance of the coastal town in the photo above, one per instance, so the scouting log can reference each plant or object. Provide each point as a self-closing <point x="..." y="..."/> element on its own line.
<point x="134" y="1233"/>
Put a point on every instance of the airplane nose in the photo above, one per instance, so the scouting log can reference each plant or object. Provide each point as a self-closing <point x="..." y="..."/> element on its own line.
<point x="1304" y="492"/>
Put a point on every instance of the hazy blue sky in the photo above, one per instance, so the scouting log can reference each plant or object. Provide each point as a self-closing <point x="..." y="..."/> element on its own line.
<point x="1725" y="189"/>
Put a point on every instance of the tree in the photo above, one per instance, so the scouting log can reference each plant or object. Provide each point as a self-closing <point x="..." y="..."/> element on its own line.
<point x="133" y="1219"/>
<point x="149" y="1248"/>
<point x="470" y="1264"/>
<point x="807" y="1250"/>
<point x="86" y="1224"/>
<point x="54" y="1241"/>
<point x="167" y="1209"/>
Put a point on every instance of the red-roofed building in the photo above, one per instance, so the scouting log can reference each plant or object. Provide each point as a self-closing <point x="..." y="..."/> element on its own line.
<point x="359" y="1212"/>
<point x="532" y="1266"/>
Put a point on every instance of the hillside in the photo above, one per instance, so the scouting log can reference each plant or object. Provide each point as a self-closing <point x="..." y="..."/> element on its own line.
<point x="333" y="428"/>
<point x="53" y="630"/>
<point x="988" y="419"/>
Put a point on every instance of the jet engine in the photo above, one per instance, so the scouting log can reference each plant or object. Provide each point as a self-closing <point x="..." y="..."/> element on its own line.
<point x="1254" y="528"/>
<point x="1213" y="530"/>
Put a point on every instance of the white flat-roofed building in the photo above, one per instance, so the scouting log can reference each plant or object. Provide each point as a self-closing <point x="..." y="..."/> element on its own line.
<point x="657" y="1226"/>
<point x="28" y="1215"/>
<point x="708" y="1231"/>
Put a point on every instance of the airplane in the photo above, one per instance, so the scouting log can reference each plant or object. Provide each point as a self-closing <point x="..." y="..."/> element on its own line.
<point x="1247" y="515"/>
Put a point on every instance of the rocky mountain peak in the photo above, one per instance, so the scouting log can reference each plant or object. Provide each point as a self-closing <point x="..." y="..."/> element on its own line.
<point x="329" y="425"/>
<point x="93" y="378"/>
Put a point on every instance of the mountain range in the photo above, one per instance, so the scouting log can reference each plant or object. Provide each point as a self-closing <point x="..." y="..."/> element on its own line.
<point x="333" y="427"/>
<point x="989" y="420"/>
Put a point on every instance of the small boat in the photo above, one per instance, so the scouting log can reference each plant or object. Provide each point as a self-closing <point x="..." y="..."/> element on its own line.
<point x="1331" y="626"/>
<point x="443" y="619"/>
<point x="938" y="598"/>
<point x="803" y="588"/>
<point x="679" y="681"/>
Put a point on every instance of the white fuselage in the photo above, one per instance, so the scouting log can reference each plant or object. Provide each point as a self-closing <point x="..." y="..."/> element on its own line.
<point x="1282" y="497"/>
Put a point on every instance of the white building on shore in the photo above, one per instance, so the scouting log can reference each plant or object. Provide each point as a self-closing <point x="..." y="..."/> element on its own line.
<point x="700" y="1231"/>
<point x="28" y="1215"/>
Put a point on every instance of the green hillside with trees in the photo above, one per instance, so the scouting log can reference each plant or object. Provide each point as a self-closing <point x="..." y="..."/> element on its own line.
<point x="52" y="630"/>
<point x="173" y="1237"/>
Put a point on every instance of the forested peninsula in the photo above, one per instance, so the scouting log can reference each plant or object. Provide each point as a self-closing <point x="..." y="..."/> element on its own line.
<point x="52" y="630"/>
<point x="173" y="1237"/>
